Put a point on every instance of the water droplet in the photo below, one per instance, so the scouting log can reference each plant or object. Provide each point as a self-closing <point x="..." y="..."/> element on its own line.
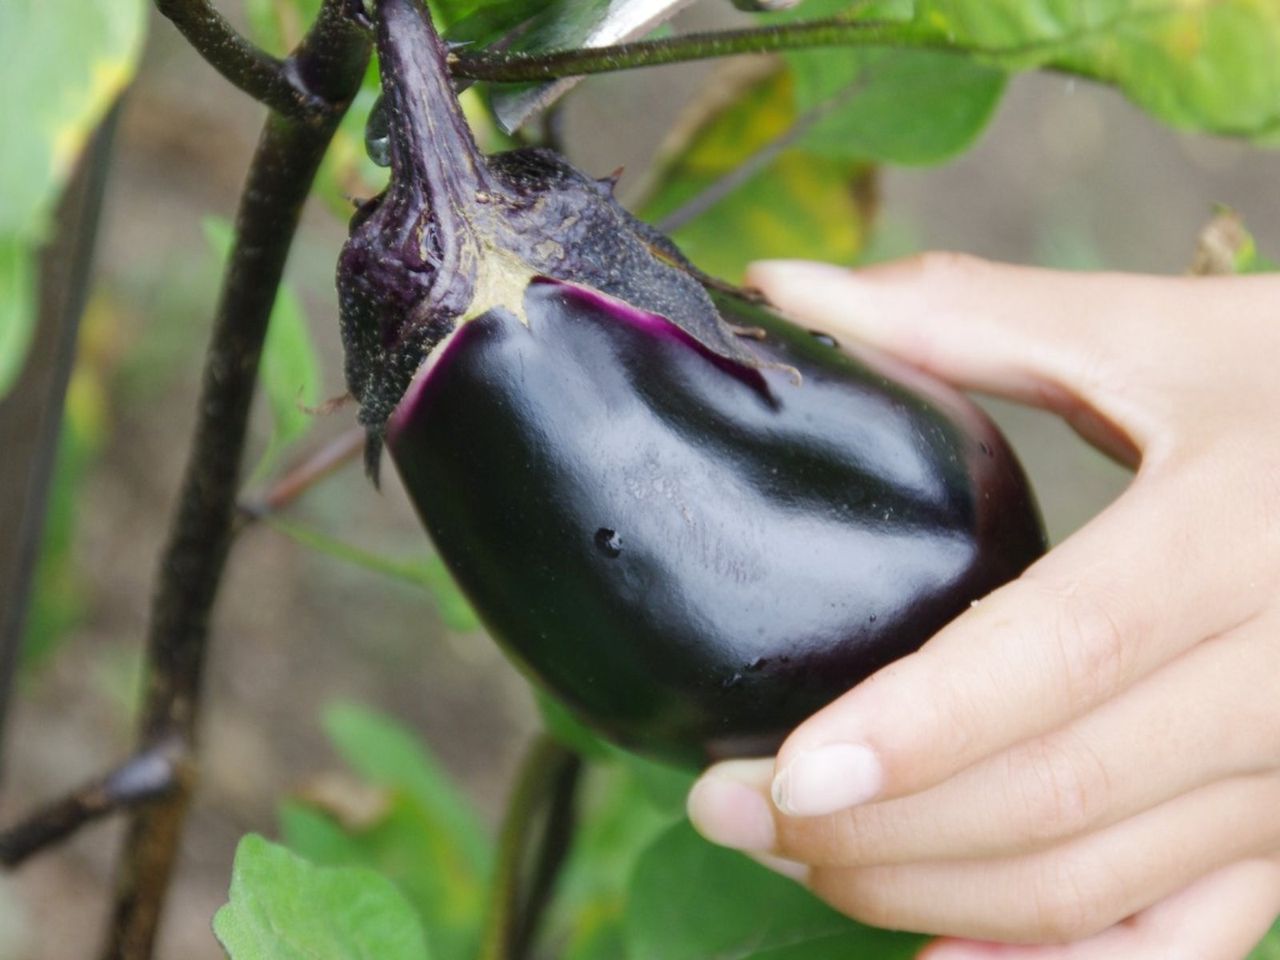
<point x="730" y="682"/>
<point x="608" y="542"/>
<point x="759" y="663"/>
<point x="377" y="134"/>
<point x="825" y="339"/>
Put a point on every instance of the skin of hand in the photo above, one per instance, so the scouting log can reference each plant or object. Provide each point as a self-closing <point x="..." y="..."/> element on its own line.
<point x="1086" y="764"/>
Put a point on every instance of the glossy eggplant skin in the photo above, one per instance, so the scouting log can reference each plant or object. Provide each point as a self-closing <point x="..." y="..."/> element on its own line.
<point x="692" y="553"/>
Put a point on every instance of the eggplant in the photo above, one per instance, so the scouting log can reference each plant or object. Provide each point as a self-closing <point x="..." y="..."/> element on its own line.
<point x="691" y="521"/>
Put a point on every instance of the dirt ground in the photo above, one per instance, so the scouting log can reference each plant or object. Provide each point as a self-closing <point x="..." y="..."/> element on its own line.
<point x="1068" y="175"/>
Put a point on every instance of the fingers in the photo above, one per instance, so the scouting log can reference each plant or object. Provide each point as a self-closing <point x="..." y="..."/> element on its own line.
<point x="1219" y="917"/>
<point x="1115" y="601"/>
<point x="1133" y="753"/>
<point x="1053" y="339"/>
<point x="1073" y="891"/>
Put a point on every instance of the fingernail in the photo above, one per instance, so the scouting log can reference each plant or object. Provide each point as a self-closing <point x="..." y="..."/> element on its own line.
<point x="728" y="807"/>
<point x="827" y="779"/>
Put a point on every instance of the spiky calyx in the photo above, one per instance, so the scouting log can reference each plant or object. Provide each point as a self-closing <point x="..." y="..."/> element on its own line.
<point x="457" y="233"/>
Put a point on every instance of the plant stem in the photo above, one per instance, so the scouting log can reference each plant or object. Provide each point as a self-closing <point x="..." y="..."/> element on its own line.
<point x="317" y="466"/>
<point x="269" y="80"/>
<point x="331" y="61"/>
<point x="523" y="67"/>
<point x="143" y="777"/>
<point x="541" y="813"/>
<point x="65" y="268"/>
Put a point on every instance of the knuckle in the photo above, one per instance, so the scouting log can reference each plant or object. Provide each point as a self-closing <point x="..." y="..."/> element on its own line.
<point x="855" y="893"/>
<point x="830" y="841"/>
<point x="1060" y="788"/>
<point x="1090" y="644"/>
<point x="1067" y="905"/>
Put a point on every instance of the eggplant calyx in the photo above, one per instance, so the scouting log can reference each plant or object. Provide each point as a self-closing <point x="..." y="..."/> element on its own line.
<point x="457" y="234"/>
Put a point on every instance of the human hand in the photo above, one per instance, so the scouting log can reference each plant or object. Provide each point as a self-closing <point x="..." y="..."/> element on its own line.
<point x="1088" y="761"/>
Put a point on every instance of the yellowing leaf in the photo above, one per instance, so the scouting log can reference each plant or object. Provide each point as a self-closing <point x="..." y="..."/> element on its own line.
<point x="792" y="203"/>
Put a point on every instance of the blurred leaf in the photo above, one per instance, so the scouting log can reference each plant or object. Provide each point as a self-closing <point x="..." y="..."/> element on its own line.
<point x="63" y="63"/>
<point x="568" y="729"/>
<point x="894" y="106"/>
<point x="1269" y="948"/>
<point x="797" y="204"/>
<point x="278" y="25"/>
<point x="58" y="597"/>
<point x="289" y="371"/>
<point x="745" y="912"/>
<point x="1213" y="66"/>
<point x="1225" y="246"/>
<point x="410" y="848"/>
<point x="617" y="824"/>
<point x="906" y="107"/>
<point x="17" y="307"/>
<point x="386" y="754"/>
<point x="481" y="23"/>
<point x="15" y="932"/>
<point x="284" y="908"/>
<point x="427" y="840"/>
<point x="431" y="574"/>
<point x="665" y="787"/>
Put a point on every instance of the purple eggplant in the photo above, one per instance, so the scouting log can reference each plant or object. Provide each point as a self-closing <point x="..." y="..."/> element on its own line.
<point x="691" y="521"/>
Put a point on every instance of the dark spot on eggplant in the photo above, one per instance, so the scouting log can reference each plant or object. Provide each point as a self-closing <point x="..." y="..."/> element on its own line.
<point x="609" y="543"/>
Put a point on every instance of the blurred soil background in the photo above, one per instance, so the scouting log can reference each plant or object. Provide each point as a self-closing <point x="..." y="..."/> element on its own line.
<point x="1067" y="175"/>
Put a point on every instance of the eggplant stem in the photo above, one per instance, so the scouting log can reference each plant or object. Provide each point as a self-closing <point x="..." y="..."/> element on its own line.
<point x="149" y="775"/>
<point x="536" y="836"/>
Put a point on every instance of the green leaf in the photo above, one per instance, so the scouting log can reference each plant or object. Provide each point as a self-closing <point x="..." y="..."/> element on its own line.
<point x="284" y="908"/>
<point x="426" y="839"/>
<point x="568" y="729"/>
<point x="289" y="371"/>
<point x="17" y="308"/>
<point x="408" y="846"/>
<point x="893" y="106"/>
<point x="385" y="754"/>
<point x="1269" y="948"/>
<point x="278" y="25"/>
<point x="63" y="63"/>
<point x="618" y="822"/>
<point x="745" y="912"/>
<point x="1211" y="65"/>
<point x="797" y="204"/>
<point x="429" y="574"/>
